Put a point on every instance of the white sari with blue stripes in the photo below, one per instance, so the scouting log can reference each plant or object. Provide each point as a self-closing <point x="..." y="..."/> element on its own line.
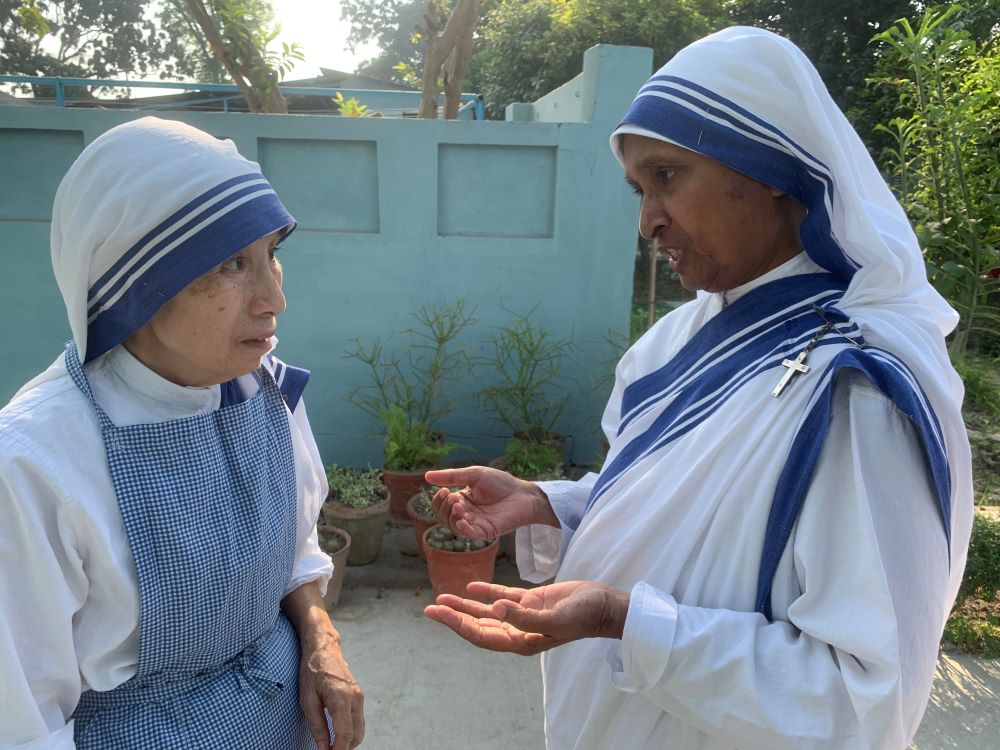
<point x="791" y="560"/>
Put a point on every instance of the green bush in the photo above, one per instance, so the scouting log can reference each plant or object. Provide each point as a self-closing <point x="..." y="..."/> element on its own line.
<point x="982" y="570"/>
<point x="981" y="391"/>
<point x="355" y="488"/>
<point x="529" y="459"/>
<point x="411" y="445"/>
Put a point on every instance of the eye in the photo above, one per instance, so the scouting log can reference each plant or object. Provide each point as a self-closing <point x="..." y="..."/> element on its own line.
<point x="664" y="175"/>
<point x="272" y="254"/>
<point x="235" y="263"/>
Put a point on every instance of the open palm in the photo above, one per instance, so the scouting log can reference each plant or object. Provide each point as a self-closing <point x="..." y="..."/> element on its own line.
<point x="528" y="621"/>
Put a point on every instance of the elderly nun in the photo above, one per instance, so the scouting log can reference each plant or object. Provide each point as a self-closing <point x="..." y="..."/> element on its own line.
<point x="160" y="484"/>
<point x="770" y="551"/>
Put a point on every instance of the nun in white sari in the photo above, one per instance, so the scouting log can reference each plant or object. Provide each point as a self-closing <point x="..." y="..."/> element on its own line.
<point x="772" y="547"/>
<point x="159" y="483"/>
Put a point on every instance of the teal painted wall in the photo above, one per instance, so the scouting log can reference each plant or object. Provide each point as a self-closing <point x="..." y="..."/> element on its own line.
<point x="393" y="215"/>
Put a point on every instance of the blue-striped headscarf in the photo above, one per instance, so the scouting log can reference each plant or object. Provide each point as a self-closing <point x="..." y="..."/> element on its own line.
<point x="147" y="208"/>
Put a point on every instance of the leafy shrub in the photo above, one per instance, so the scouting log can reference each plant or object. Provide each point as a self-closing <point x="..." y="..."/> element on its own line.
<point x="534" y="460"/>
<point x="982" y="570"/>
<point x="411" y="445"/>
<point x="355" y="488"/>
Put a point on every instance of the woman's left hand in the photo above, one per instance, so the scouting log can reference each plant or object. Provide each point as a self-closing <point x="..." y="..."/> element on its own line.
<point x="326" y="682"/>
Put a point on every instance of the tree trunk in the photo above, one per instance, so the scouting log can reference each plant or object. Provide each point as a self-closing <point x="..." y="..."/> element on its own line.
<point x="260" y="96"/>
<point x="462" y="20"/>
<point x="459" y="63"/>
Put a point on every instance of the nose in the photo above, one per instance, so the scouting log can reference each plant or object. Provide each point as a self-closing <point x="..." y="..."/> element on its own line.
<point x="653" y="219"/>
<point x="268" y="297"/>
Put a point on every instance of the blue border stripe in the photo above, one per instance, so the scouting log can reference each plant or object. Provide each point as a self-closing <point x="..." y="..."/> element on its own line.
<point x="127" y="278"/>
<point x="784" y="296"/>
<point x="197" y="255"/>
<point x="762" y="124"/>
<point x="165" y="224"/>
<point x="894" y="379"/>
<point x="698" y="389"/>
<point x="291" y="381"/>
<point x="730" y="143"/>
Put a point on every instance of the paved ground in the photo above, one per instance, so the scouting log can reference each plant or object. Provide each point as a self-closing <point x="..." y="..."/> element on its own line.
<point x="428" y="690"/>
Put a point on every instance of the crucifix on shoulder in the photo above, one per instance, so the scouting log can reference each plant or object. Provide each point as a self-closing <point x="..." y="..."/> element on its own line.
<point x="797" y="365"/>
<point x="794" y="366"/>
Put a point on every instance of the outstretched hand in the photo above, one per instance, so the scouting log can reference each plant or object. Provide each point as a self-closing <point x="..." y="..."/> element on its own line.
<point x="529" y="621"/>
<point x="491" y="502"/>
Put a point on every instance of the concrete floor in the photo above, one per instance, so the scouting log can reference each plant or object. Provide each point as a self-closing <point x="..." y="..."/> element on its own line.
<point x="426" y="689"/>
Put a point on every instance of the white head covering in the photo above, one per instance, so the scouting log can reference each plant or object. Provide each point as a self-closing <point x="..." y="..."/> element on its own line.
<point x="752" y="100"/>
<point x="146" y="209"/>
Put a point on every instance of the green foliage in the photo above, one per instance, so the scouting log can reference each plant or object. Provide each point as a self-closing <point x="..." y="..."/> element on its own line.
<point x="974" y="624"/>
<point x="974" y="633"/>
<point x="834" y="36"/>
<point x="355" y="488"/>
<point x="191" y="55"/>
<point x="530" y="47"/>
<point x="411" y="445"/>
<point x="981" y="390"/>
<point x="941" y="152"/>
<point x="982" y="569"/>
<point x="423" y="505"/>
<point x="416" y="383"/>
<point x="80" y="38"/>
<point x="532" y="459"/>
<point x="528" y="369"/>
<point x="352" y="107"/>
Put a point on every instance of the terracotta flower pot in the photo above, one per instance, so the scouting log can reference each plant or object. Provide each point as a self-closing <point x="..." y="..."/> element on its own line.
<point x="401" y="486"/>
<point x="451" y="571"/>
<point x="420" y="523"/>
<point x="338" y="553"/>
<point x="365" y="525"/>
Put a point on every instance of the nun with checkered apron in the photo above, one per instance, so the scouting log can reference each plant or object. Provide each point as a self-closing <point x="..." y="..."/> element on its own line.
<point x="771" y="549"/>
<point x="162" y="580"/>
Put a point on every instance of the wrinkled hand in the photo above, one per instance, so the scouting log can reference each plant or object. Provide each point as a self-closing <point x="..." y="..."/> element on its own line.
<point x="529" y="621"/>
<point x="491" y="503"/>
<point x="325" y="681"/>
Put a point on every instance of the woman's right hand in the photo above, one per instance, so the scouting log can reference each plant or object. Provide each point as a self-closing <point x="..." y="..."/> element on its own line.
<point x="491" y="502"/>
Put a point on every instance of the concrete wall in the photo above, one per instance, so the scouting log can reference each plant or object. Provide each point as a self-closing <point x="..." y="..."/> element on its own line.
<point x="393" y="214"/>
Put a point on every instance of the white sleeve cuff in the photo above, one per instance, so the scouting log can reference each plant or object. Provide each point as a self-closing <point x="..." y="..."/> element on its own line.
<point x="639" y="660"/>
<point x="312" y="564"/>
<point x="540" y="548"/>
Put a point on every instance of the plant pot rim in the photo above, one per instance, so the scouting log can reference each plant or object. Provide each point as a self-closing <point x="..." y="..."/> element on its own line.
<point x="428" y="546"/>
<point x="411" y="508"/>
<point x="345" y="511"/>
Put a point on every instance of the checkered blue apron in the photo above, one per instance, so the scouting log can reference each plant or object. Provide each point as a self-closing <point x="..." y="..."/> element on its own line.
<point x="209" y="506"/>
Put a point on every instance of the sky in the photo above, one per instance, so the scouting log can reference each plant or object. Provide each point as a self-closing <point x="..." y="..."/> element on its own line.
<point x="317" y="27"/>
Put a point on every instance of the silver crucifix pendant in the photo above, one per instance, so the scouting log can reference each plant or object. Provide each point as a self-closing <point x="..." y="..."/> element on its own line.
<point x="794" y="366"/>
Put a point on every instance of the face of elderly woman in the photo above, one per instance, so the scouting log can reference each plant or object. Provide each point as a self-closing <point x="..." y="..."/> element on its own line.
<point x="720" y="228"/>
<point x="218" y="326"/>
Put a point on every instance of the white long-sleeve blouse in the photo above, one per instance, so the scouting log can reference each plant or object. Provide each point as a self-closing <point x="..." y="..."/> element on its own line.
<point x="69" y="599"/>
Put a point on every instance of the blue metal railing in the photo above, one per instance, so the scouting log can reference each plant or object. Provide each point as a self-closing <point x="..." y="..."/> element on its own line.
<point x="409" y="100"/>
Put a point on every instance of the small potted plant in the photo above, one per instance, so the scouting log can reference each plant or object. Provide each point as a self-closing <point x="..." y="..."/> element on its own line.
<point x="408" y="395"/>
<point x="527" y="397"/>
<point x="358" y="502"/>
<point x="411" y="449"/>
<point x="335" y="542"/>
<point x="418" y="508"/>
<point x="454" y="561"/>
